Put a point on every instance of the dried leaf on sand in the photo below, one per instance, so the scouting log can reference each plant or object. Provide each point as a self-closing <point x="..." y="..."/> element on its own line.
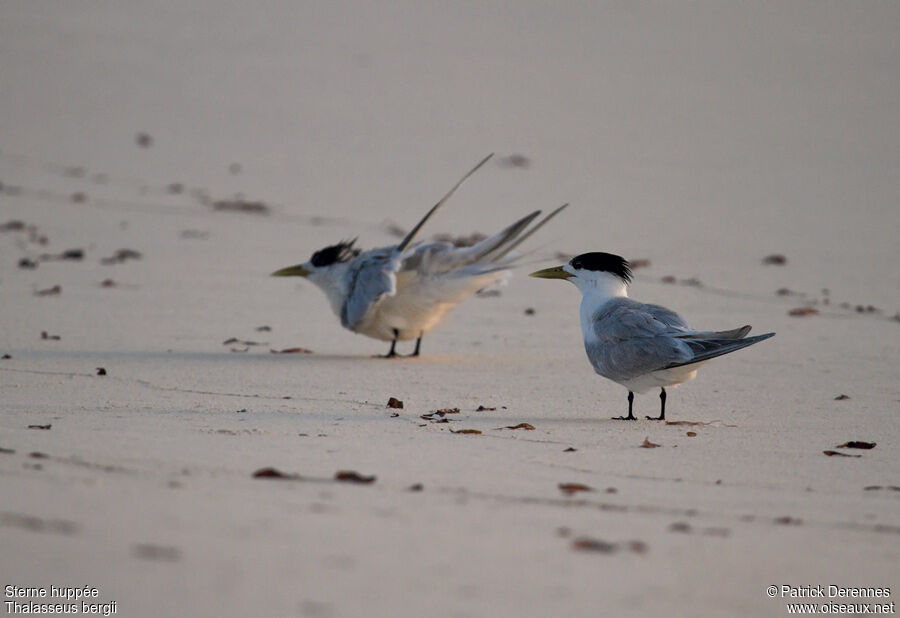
<point x="273" y="473"/>
<point x="857" y="444"/>
<point x="801" y="312"/>
<point x="243" y="342"/>
<point x="349" y="476"/>
<point x="588" y="544"/>
<point x="573" y="488"/>
<point x="584" y="543"/>
<point x="525" y="426"/>
<point x="239" y="205"/>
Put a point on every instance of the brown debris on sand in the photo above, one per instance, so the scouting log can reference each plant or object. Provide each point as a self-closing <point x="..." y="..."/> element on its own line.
<point x="291" y="351"/>
<point x="273" y="473"/>
<point x="525" y="426"/>
<point x="121" y="255"/>
<point x="802" y="312"/>
<point x="857" y="444"/>
<point x="235" y="340"/>
<point x="69" y="254"/>
<point x="573" y="488"/>
<point x="241" y="205"/>
<point x="588" y="544"/>
<point x="56" y="290"/>
<point x="350" y="476"/>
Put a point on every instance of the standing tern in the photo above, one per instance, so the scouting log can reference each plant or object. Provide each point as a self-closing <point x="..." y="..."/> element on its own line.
<point x="638" y="345"/>
<point x="403" y="291"/>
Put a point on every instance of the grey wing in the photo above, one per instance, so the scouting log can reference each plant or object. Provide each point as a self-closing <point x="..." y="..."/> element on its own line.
<point x="371" y="277"/>
<point x="666" y="316"/>
<point x="417" y="256"/>
<point x="633" y="339"/>
<point x="623" y="318"/>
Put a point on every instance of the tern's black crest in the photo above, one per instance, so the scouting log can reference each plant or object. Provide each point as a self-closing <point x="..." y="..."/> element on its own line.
<point x="603" y="262"/>
<point x="341" y="252"/>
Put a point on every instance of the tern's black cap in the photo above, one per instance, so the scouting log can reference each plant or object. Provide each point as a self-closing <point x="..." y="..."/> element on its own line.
<point x="603" y="262"/>
<point x="341" y="252"/>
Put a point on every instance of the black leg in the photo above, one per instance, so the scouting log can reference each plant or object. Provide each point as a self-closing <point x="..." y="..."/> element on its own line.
<point x="662" y="407"/>
<point x="392" y="353"/>
<point x="416" y="351"/>
<point x="630" y="416"/>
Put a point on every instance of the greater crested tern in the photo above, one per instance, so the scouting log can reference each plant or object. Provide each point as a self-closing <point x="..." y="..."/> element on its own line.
<point x="403" y="291"/>
<point x="638" y="345"/>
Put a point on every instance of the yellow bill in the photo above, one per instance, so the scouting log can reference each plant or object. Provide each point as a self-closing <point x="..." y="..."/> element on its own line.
<point x="556" y="272"/>
<point x="292" y="271"/>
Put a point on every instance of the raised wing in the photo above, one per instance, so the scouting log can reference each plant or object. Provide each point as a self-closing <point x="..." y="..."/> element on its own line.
<point x="486" y="256"/>
<point x="412" y="234"/>
<point x="373" y="274"/>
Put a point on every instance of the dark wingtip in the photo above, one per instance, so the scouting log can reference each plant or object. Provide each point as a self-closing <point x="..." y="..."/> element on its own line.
<point x="758" y="338"/>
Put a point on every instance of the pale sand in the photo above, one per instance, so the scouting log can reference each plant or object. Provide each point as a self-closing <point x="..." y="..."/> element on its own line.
<point x="701" y="138"/>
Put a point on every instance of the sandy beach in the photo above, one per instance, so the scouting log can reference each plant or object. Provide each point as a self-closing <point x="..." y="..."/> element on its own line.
<point x="159" y="161"/>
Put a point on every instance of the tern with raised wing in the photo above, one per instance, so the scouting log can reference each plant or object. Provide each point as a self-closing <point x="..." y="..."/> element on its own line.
<point x="403" y="291"/>
<point x="638" y="345"/>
